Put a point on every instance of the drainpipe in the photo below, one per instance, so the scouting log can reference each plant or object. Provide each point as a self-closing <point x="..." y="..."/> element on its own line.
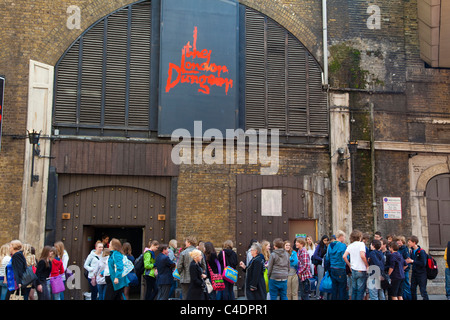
<point x="372" y="164"/>
<point x="325" y="42"/>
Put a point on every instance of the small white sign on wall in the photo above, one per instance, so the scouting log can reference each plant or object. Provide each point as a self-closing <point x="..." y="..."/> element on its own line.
<point x="392" y="208"/>
<point x="271" y="202"/>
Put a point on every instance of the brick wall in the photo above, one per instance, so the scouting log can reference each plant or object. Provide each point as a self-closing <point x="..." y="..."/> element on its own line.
<point x="206" y="201"/>
<point x="380" y="59"/>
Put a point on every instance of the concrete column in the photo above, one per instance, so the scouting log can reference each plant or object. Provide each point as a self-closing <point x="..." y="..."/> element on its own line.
<point x="341" y="196"/>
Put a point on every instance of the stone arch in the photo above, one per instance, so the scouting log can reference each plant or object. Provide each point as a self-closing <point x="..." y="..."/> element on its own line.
<point x="430" y="173"/>
<point x="419" y="214"/>
<point x="60" y="38"/>
<point x="293" y="17"/>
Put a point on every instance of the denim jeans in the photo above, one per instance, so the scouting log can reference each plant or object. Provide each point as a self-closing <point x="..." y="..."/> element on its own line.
<point x="278" y="288"/>
<point x="101" y="291"/>
<point x="406" y="287"/>
<point x="376" y="294"/>
<point x="359" y="280"/>
<point x="304" y="289"/>
<point x="3" y="290"/>
<point x="339" y="284"/>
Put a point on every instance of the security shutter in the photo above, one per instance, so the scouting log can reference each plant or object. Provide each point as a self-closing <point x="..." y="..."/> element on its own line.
<point x="103" y="80"/>
<point x="283" y="82"/>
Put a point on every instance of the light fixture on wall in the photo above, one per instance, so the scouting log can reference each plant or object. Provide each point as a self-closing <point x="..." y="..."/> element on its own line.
<point x="33" y="137"/>
<point x="352" y="148"/>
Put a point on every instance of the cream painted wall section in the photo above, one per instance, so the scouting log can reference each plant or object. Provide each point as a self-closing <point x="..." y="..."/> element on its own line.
<point x="34" y="198"/>
<point x="341" y="197"/>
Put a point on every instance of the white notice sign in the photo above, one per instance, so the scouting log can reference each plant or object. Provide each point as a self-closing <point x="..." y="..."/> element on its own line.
<point x="270" y="202"/>
<point x="392" y="207"/>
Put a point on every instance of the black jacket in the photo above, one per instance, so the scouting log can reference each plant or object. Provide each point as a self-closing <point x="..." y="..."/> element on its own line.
<point x="197" y="288"/>
<point x="255" y="279"/>
<point x="19" y="265"/>
<point x="230" y="258"/>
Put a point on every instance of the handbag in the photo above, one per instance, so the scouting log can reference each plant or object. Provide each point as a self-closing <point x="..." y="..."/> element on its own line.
<point x="216" y="279"/>
<point x="28" y="276"/>
<point x="229" y="273"/>
<point x="209" y="286"/>
<point x="176" y="275"/>
<point x="326" y="284"/>
<point x="127" y="266"/>
<point x="15" y="296"/>
<point x="133" y="279"/>
<point x="57" y="284"/>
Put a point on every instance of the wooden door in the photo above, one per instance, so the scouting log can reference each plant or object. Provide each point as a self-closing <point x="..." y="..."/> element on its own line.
<point x="87" y="202"/>
<point x="438" y="211"/>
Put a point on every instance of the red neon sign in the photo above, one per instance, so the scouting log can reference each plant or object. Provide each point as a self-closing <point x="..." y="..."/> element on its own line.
<point x="193" y="72"/>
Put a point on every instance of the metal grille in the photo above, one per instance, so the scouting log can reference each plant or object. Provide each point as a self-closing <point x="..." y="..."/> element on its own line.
<point x="283" y="82"/>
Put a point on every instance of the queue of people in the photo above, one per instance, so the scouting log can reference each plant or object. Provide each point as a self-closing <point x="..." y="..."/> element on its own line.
<point x="330" y="269"/>
<point x="47" y="275"/>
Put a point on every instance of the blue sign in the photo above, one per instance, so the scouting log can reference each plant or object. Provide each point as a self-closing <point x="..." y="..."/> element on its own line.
<point x="198" y="65"/>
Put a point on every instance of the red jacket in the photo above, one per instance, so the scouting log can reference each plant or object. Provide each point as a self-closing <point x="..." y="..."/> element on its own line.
<point x="57" y="268"/>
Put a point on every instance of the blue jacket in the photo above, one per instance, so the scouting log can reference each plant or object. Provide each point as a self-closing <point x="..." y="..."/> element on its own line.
<point x="336" y="250"/>
<point x="165" y="267"/>
<point x="115" y="264"/>
<point x="376" y="258"/>
<point x="420" y="261"/>
<point x="404" y="252"/>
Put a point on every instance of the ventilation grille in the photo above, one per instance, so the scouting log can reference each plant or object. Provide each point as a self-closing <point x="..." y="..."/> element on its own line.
<point x="283" y="82"/>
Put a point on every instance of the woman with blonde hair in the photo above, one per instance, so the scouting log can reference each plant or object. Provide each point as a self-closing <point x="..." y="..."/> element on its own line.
<point x="197" y="287"/>
<point x="15" y="269"/>
<point x="5" y="257"/>
<point x="63" y="256"/>
<point x="29" y="254"/>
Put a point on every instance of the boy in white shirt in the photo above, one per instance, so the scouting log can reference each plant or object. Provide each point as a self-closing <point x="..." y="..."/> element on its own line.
<point x="358" y="264"/>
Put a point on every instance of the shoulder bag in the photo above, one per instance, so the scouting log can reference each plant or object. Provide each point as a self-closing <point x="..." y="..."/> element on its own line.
<point x="229" y="273"/>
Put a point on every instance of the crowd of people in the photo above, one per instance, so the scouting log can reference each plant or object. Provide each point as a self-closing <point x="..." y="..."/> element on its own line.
<point x="300" y="270"/>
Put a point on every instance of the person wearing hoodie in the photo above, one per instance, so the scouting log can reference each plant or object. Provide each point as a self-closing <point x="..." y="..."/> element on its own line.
<point x="116" y="268"/>
<point x="90" y="264"/>
<point x="150" y="270"/>
<point x="231" y="260"/>
<point x="376" y="258"/>
<point x="278" y="271"/>
<point x="100" y="272"/>
<point x="335" y="265"/>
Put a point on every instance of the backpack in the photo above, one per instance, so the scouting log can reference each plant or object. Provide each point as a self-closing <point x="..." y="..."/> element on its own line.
<point x="139" y="265"/>
<point x="431" y="267"/>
